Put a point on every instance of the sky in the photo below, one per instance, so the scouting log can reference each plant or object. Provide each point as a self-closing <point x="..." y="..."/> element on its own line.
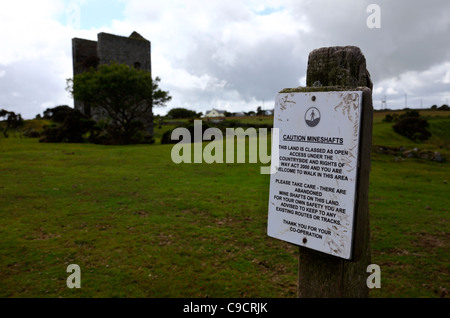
<point x="227" y="54"/>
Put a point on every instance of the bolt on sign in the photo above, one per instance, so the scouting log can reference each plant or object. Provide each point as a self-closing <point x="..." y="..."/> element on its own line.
<point x="313" y="192"/>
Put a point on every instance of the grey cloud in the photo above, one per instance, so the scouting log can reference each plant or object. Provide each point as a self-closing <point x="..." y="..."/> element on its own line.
<point x="258" y="72"/>
<point x="412" y="38"/>
<point x="413" y="34"/>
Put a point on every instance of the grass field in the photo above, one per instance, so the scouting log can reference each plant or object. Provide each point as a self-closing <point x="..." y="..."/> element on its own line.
<point x="139" y="225"/>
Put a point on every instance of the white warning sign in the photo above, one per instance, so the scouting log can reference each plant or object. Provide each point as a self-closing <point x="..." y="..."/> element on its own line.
<point x="312" y="193"/>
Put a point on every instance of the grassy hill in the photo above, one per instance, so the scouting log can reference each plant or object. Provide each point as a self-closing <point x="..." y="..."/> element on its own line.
<point x="139" y="225"/>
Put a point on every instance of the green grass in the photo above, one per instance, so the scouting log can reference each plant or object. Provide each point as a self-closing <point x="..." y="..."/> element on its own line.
<point x="139" y="225"/>
<point x="409" y="206"/>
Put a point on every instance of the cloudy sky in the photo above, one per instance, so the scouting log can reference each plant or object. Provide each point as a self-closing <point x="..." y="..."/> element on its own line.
<point x="227" y="54"/>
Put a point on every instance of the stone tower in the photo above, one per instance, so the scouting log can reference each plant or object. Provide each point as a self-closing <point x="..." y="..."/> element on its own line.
<point x="134" y="51"/>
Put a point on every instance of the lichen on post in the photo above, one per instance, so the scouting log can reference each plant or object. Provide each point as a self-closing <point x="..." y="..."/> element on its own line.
<point x="338" y="66"/>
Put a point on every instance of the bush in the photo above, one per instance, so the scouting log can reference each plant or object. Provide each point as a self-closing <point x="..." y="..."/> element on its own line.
<point x="74" y="128"/>
<point x="389" y="118"/>
<point x="77" y="128"/>
<point x="410" y="113"/>
<point x="166" y="138"/>
<point x="58" y="114"/>
<point x="414" y="128"/>
<point x="105" y="133"/>
<point x="32" y="133"/>
<point x="180" y="113"/>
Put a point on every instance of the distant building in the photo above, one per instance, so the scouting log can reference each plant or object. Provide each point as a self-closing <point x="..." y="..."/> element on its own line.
<point x="215" y="113"/>
<point x="134" y="51"/>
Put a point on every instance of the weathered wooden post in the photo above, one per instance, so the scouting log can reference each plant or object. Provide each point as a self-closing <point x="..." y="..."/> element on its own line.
<point x="319" y="195"/>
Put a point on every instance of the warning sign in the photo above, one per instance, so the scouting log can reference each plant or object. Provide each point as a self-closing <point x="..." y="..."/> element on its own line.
<point x="312" y="194"/>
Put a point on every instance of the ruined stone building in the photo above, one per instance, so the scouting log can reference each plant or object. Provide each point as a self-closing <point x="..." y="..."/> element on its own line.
<point x="134" y="51"/>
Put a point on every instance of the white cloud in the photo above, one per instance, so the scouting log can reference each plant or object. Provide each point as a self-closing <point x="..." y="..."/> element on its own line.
<point x="35" y="55"/>
<point x="27" y="29"/>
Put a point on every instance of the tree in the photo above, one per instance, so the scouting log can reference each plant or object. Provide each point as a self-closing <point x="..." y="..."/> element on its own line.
<point x="125" y="95"/>
<point x="178" y="113"/>
<point x="58" y="114"/>
<point x="160" y="97"/>
<point x="13" y="121"/>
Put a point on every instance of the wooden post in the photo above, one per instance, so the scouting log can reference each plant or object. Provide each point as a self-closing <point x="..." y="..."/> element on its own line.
<point x="323" y="275"/>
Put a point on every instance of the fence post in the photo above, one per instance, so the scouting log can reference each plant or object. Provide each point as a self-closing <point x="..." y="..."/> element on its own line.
<point x="319" y="274"/>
